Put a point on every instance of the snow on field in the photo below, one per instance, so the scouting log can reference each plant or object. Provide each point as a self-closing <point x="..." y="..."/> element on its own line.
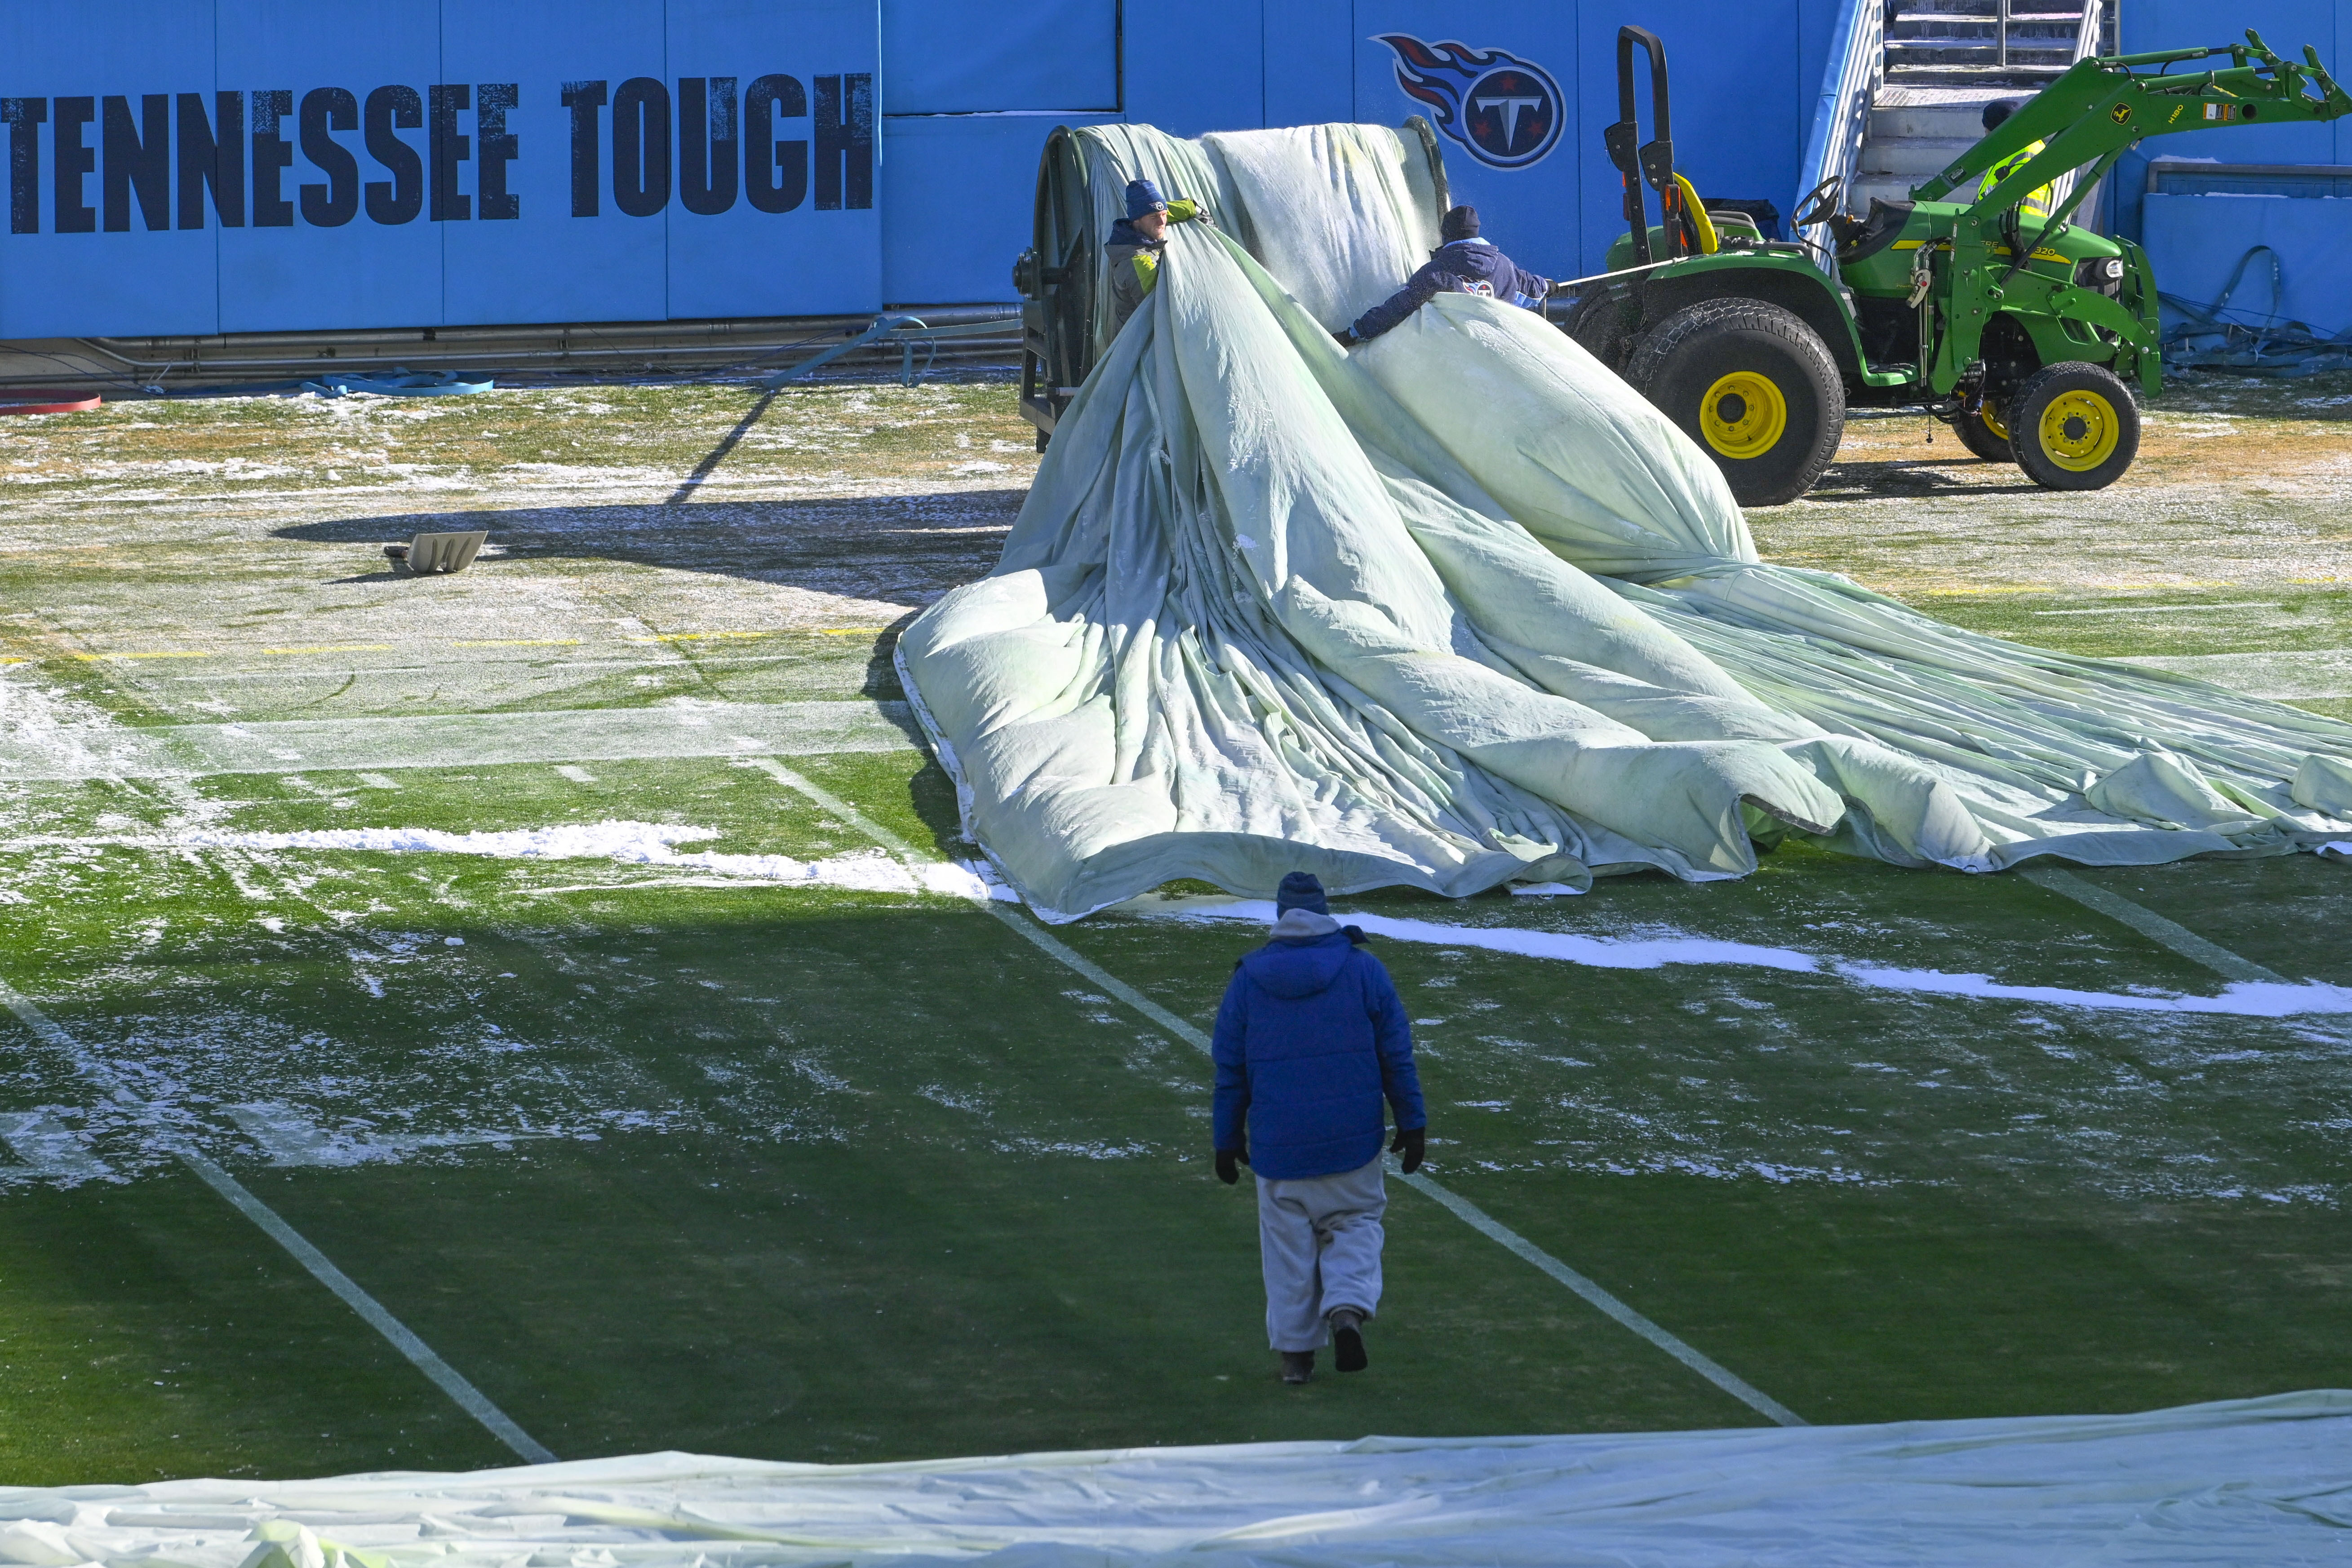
<point x="627" y="843"/>
<point x="2239" y="999"/>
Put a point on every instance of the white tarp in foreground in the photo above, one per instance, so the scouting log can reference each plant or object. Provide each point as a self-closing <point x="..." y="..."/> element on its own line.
<point x="2253" y="1482"/>
<point x="1459" y="609"/>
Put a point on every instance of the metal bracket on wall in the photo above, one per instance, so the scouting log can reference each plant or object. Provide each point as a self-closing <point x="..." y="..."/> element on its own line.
<point x="908" y="333"/>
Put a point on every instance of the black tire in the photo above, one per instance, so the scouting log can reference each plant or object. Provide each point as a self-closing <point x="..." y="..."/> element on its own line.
<point x="1976" y="434"/>
<point x="2074" y="426"/>
<point x="1603" y="326"/>
<point x="1777" y="424"/>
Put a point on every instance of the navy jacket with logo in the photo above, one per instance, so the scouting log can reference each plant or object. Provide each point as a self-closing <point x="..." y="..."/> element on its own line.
<point x="1470" y="265"/>
<point x="1310" y="1038"/>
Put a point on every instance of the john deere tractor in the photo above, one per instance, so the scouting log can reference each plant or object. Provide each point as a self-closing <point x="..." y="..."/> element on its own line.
<point x="2020" y="329"/>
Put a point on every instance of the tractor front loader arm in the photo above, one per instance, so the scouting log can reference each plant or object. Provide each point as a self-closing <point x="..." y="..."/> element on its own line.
<point x="2104" y="104"/>
<point x="2093" y="114"/>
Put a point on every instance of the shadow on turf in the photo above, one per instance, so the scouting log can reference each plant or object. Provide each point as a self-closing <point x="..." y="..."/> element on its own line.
<point x="909" y="548"/>
<point x="901" y="550"/>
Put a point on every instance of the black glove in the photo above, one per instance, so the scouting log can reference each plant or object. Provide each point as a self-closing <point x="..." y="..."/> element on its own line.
<point x="1347" y="339"/>
<point x="1410" y="1143"/>
<point x="1228" y="1160"/>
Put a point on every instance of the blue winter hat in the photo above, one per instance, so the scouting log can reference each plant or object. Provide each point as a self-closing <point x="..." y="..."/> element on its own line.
<point x="1300" y="890"/>
<point x="1143" y="196"/>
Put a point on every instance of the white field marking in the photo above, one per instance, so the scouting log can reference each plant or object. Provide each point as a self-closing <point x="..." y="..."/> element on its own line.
<point x="2151" y="924"/>
<point x="2159" y="609"/>
<point x="471" y="740"/>
<point x="468" y="1398"/>
<point x="2270" y="997"/>
<point x="53" y="1149"/>
<point x="505" y="667"/>
<point x="1019" y="921"/>
<point x="577" y="775"/>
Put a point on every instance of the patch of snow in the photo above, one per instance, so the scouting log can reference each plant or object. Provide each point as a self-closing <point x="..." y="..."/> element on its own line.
<point x="630" y="843"/>
<point x="2240" y="998"/>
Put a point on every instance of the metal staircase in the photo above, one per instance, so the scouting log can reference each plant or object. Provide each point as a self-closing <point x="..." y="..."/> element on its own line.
<point x="1945" y="60"/>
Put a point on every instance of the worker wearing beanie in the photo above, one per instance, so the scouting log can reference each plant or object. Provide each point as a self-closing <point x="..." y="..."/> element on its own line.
<point x="1310" y="1038"/>
<point x="1464" y="264"/>
<point x="1136" y="243"/>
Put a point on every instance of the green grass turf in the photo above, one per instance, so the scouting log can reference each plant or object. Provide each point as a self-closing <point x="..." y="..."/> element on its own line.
<point x="824" y="1175"/>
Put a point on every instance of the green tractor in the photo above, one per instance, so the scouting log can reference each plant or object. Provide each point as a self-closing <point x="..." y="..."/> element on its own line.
<point x="2019" y="330"/>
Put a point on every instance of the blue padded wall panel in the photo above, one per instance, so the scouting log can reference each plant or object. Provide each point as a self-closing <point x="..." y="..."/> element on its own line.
<point x="1192" y="66"/>
<point x="810" y="260"/>
<point x="131" y="282"/>
<point x="2194" y="242"/>
<point x="546" y="264"/>
<point x="293" y="274"/>
<point x="1310" y="53"/>
<point x="1741" y="99"/>
<point x="1530" y="211"/>
<point x="2286" y="26"/>
<point x="959" y="205"/>
<point x="952" y="57"/>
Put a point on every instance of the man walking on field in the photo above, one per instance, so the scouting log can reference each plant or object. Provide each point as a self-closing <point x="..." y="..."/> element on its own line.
<point x="1310" y="1040"/>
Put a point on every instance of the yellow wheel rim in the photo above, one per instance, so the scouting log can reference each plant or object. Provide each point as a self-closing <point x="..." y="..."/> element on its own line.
<point x="1743" y="414"/>
<point x="1991" y="414"/>
<point x="2079" y="430"/>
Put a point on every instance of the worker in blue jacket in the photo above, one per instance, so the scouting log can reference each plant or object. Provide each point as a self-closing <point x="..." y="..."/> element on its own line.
<point x="1465" y="264"/>
<point x="1310" y="1038"/>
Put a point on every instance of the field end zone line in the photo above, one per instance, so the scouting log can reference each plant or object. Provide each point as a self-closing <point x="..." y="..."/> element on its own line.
<point x="1462" y="1208"/>
<point x="2150" y="924"/>
<point x="403" y="1339"/>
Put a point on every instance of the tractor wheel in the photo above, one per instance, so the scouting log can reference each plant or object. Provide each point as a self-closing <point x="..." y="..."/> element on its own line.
<point x="1984" y="433"/>
<point x="2074" y="427"/>
<point x="1603" y="326"/>
<point x="1753" y="386"/>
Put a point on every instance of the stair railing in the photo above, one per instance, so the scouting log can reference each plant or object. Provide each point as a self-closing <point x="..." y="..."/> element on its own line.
<point x="2094" y="22"/>
<point x="2086" y="43"/>
<point x="2000" y="33"/>
<point x="1850" y="83"/>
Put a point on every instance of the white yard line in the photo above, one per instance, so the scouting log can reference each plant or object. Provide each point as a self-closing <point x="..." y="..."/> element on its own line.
<point x="403" y="1339"/>
<point x="1462" y="1208"/>
<point x="2151" y="924"/>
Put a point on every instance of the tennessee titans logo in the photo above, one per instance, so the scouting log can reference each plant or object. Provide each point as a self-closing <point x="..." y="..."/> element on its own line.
<point x="1505" y="110"/>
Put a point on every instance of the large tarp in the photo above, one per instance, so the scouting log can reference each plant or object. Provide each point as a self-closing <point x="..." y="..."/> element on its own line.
<point x="2224" y="1485"/>
<point x="1459" y="608"/>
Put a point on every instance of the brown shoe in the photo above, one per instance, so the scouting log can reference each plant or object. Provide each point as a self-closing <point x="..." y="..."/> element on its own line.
<point x="1297" y="1365"/>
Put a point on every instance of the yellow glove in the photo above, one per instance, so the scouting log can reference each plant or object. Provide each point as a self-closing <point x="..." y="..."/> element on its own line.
<point x="1184" y="210"/>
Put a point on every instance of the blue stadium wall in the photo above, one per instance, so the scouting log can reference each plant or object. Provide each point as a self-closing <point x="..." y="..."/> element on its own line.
<point x="200" y="167"/>
<point x="2195" y="241"/>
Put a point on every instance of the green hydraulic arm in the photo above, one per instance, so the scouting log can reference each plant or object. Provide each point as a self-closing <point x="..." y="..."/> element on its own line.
<point x="2098" y="110"/>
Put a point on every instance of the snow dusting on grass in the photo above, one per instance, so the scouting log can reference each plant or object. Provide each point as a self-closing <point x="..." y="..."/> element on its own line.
<point x="2239" y="999"/>
<point x="634" y="843"/>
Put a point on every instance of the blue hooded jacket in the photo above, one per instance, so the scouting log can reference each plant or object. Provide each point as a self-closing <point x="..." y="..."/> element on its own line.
<point x="1310" y="1037"/>
<point x="1471" y="265"/>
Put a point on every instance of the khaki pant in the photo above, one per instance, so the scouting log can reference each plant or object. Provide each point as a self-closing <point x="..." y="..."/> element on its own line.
<point x="1319" y="1239"/>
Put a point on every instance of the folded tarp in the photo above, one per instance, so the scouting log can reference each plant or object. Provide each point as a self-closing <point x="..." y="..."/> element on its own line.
<point x="2253" y="1482"/>
<point x="1459" y="608"/>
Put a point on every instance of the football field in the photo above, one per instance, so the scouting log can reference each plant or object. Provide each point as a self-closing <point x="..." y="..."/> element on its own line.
<point x="548" y="1009"/>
